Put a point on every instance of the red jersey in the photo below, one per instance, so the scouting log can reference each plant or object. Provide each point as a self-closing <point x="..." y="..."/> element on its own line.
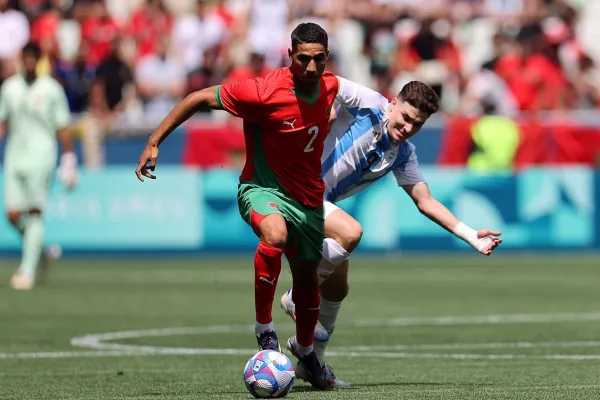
<point x="284" y="132"/>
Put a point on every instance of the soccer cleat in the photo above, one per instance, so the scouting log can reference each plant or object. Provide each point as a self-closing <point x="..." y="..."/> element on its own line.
<point x="313" y="369"/>
<point x="333" y="382"/>
<point x="22" y="282"/>
<point x="320" y="335"/>
<point x="50" y="255"/>
<point x="268" y="341"/>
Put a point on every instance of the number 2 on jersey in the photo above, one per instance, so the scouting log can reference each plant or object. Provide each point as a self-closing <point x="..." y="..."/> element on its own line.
<point x="314" y="131"/>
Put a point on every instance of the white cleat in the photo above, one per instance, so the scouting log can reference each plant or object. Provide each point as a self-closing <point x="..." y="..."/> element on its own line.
<point x="22" y="282"/>
<point x="320" y="335"/>
<point x="333" y="382"/>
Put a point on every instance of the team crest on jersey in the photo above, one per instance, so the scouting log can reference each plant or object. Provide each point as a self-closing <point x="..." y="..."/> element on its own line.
<point x="376" y="134"/>
<point x="273" y="205"/>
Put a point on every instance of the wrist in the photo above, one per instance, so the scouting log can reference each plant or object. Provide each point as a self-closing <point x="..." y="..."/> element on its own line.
<point x="68" y="158"/>
<point x="465" y="233"/>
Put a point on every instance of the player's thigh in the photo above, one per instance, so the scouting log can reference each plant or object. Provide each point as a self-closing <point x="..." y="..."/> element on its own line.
<point x="341" y="227"/>
<point x="261" y="209"/>
<point x="306" y="235"/>
<point x="37" y="183"/>
<point x="15" y="191"/>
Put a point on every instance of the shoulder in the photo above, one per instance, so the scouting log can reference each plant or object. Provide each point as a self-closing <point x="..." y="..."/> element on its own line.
<point x="408" y="150"/>
<point x="12" y="81"/>
<point x="332" y="82"/>
<point x="49" y="83"/>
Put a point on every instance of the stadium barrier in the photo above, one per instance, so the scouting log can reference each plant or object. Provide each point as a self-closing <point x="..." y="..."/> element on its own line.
<point x="189" y="210"/>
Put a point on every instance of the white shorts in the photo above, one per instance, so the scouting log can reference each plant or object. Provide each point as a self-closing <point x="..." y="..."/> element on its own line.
<point x="328" y="208"/>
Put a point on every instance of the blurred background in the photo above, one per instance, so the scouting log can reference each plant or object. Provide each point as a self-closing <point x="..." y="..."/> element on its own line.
<point x="515" y="147"/>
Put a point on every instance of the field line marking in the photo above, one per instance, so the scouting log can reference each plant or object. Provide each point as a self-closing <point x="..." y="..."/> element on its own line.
<point x="95" y="340"/>
<point x="459" y="346"/>
<point x="185" y="351"/>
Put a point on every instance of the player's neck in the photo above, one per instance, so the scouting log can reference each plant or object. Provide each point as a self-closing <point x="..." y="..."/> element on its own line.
<point x="305" y="89"/>
<point x="29" y="77"/>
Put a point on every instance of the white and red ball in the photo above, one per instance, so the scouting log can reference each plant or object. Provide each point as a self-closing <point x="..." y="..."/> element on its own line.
<point x="269" y="374"/>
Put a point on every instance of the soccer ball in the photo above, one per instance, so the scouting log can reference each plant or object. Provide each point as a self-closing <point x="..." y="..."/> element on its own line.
<point x="269" y="374"/>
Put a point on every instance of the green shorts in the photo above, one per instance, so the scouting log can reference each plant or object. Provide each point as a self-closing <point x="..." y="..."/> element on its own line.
<point x="26" y="188"/>
<point x="305" y="224"/>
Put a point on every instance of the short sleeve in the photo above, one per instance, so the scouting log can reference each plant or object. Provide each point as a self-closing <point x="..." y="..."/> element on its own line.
<point x="352" y="95"/>
<point x="241" y="99"/>
<point x="408" y="172"/>
<point x="3" y="105"/>
<point x="62" y="113"/>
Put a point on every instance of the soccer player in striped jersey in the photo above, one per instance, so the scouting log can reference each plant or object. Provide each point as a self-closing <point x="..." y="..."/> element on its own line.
<point x="368" y="140"/>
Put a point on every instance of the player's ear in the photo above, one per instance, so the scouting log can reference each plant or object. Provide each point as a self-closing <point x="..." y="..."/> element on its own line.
<point x="290" y="52"/>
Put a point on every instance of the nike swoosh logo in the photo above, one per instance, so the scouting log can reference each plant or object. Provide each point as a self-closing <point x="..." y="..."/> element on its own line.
<point x="262" y="278"/>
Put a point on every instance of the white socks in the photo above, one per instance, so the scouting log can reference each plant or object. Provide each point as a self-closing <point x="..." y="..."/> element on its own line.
<point x="262" y="328"/>
<point x="333" y="255"/>
<point x="327" y="317"/>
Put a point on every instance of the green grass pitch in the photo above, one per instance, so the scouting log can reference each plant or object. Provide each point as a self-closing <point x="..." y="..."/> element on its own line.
<point x="506" y="327"/>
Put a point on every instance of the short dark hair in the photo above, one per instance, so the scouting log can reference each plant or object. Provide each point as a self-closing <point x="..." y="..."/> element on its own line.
<point x="421" y="96"/>
<point x="32" y="48"/>
<point x="309" y="32"/>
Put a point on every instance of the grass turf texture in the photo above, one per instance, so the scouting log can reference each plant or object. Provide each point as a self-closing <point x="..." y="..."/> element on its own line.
<point x="438" y="359"/>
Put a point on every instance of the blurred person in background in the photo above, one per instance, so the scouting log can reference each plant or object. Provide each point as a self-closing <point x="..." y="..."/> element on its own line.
<point x="36" y="111"/>
<point x="98" y="32"/>
<point x="431" y="56"/>
<point x="149" y="23"/>
<point x="110" y="89"/>
<point x="160" y="80"/>
<point x="14" y="34"/>
<point x="196" y="33"/>
<point x="266" y="26"/>
<point x="486" y="86"/>
<point x="496" y="140"/>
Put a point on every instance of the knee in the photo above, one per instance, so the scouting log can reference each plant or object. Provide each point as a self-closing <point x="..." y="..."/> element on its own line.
<point x="13" y="217"/>
<point x="351" y="237"/>
<point x="274" y="232"/>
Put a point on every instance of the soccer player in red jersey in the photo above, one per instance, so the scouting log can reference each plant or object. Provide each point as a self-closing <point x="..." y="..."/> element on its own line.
<point x="280" y="194"/>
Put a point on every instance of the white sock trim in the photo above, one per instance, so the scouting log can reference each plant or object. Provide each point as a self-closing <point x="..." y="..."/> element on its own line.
<point x="333" y="252"/>
<point x="261" y="328"/>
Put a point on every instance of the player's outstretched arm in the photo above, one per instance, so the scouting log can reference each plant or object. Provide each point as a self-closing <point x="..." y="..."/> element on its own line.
<point x="484" y="240"/>
<point x="202" y="99"/>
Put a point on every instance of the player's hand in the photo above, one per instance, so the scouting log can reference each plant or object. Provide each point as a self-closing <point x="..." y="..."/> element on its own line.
<point x="147" y="162"/>
<point x="67" y="170"/>
<point x="492" y="237"/>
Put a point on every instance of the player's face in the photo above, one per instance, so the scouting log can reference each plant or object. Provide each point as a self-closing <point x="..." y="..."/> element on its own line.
<point x="404" y="120"/>
<point x="29" y="62"/>
<point x="308" y="61"/>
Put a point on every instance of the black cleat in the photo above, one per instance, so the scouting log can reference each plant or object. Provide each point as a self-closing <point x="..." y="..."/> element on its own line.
<point x="315" y="371"/>
<point x="268" y="341"/>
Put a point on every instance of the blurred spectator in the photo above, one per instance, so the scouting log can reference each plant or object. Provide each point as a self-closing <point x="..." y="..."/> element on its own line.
<point x="204" y="76"/>
<point x="149" y="23"/>
<point x="266" y="23"/>
<point x="76" y="77"/>
<point x="161" y="81"/>
<point x="195" y="33"/>
<point x="486" y="88"/>
<point x="495" y="142"/>
<point x="256" y="68"/>
<point x="98" y="31"/>
<point x="14" y="34"/>
<point x="431" y="56"/>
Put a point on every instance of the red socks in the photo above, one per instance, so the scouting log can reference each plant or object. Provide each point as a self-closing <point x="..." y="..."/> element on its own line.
<point x="307" y="300"/>
<point x="267" y="267"/>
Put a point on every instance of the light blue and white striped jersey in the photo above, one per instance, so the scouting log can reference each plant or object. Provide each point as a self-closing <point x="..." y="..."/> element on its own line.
<point x="358" y="149"/>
